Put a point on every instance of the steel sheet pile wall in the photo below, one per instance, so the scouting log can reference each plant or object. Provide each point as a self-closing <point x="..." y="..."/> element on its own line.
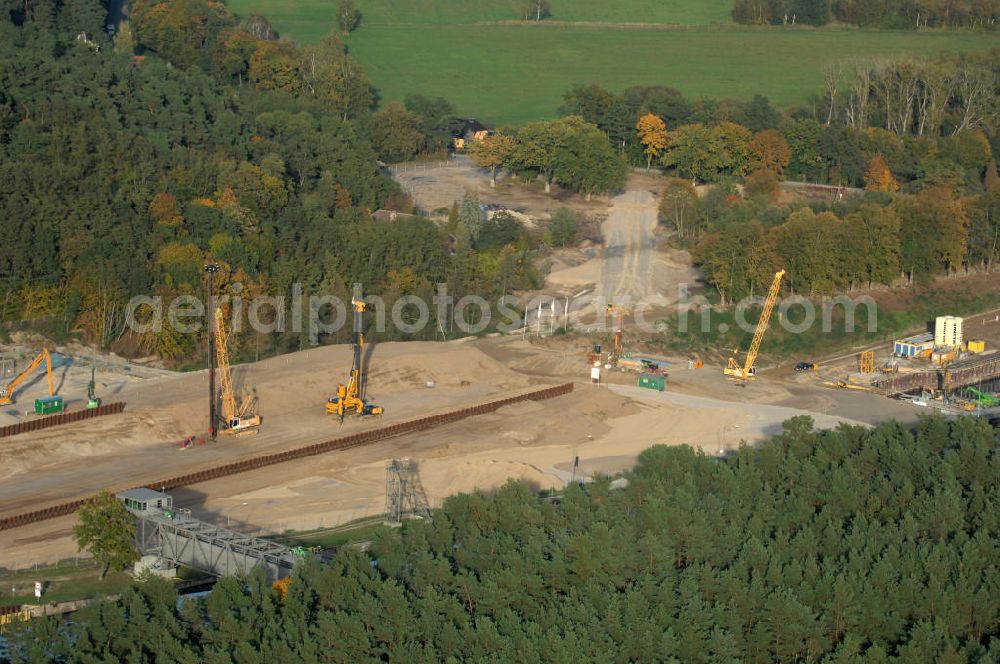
<point x="968" y="372"/>
<point x="64" y="418"/>
<point x="346" y="442"/>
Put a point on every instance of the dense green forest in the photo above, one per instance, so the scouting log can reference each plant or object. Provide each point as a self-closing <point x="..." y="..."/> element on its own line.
<point x="197" y="135"/>
<point x="834" y="248"/>
<point x="125" y="167"/>
<point x="875" y="545"/>
<point x="890" y="14"/>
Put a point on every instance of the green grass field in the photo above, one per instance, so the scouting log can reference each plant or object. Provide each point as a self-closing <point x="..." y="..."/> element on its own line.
<point x="309" y="20"/>
<point x="513" y="73"/>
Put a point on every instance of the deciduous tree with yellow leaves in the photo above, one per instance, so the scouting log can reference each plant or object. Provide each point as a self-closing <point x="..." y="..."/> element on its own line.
<point x="653" y="134"/>
<point x="878" y="177"/>
<point x="492" y="152"/>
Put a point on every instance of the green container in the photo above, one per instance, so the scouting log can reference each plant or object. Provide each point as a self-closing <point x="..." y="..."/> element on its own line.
<point x="48" y="405"/>
<point x="652" y="382"/>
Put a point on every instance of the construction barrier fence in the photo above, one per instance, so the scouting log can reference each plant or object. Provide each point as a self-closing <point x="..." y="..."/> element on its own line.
<point x="13" y="614"/>
<point x="63" y="418"/>
<point x="343" y="443"/>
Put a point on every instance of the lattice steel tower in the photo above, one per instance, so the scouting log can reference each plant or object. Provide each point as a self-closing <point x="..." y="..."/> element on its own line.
<point x="404" y="494"/>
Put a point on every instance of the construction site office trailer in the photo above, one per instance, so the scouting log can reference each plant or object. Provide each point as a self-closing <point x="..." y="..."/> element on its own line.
<point x="914" y="346"/>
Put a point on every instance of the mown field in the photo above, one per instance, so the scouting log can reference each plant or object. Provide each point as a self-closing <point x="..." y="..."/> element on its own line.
<point x="308" y="20"/>
<point x="513" y="73"/>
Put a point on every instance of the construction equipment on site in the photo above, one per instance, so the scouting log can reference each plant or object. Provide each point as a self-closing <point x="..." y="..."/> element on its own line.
<point x="983" y="399"/>
<point x="866" y="362"/>
<point x="350" y="398"/>
<point x="846" y="386"/>
<point x="7" y="393"/>
<point x="235" y="419"/>
<point x="616" y="352"/>
<point x="748" y="370"/>
<point x="93" y="401"/>
<point x="594" y="356"/>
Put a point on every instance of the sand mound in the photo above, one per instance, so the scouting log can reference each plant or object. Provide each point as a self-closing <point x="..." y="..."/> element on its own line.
<point x="292" y="390"/>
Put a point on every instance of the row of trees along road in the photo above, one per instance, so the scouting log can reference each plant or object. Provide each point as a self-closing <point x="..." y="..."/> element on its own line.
<point x="890" y="14"/>
<point x="569" y="151"/>
<point x="855" y="544"/>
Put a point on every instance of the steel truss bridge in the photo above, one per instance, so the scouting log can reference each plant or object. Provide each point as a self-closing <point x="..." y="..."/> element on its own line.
<point x="177" y="538"/>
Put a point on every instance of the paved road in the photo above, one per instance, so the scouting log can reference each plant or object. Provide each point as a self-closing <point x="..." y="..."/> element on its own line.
<point x="764" y="419"/>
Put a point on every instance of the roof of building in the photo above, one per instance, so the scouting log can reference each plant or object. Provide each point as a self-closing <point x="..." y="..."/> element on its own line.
<point x="390" y="215"/>
<point x="917" y="339"/>
<point x="142" y="495"/>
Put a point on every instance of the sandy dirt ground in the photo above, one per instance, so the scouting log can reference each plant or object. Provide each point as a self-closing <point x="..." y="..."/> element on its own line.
<point x="630" y="269"/>
<point x="71" y="371"/>
<point x="536" y="442"/>
<point x="51" y="465"/>
<point x="435" y="187"/>
<point x="606" y="427"/>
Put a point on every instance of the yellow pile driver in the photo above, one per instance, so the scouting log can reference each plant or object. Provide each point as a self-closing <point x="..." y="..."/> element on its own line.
<point x="242" y="419"/>
<point x="748" y="370"/>
<point x="350" y="398"/>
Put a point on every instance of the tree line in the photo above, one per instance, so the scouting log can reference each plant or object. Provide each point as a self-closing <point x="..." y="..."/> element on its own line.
<point x="195" y="136"/>
<point x="888" y="14"/>
<point x="825" y="249"/>
<point x="845" y="545"/>
<point x="569" y="151"/>
<point x="931" y="120"/>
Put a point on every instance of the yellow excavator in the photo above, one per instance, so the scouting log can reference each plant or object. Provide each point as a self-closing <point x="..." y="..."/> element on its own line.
<point x="748" y="370"/>
<point x="236" y="420"/>
<point x="7" y="393"/>
<point x="350" y="398"/>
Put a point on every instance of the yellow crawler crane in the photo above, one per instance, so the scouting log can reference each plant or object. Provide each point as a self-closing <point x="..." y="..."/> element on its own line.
<point x="748" y="371"/>
<point x="236" y="420"/>
<point x="7" y="393"/>
<point x="350" y="398"/>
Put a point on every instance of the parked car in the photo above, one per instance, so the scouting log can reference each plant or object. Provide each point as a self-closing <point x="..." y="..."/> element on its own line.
<point x="805" y="366"/>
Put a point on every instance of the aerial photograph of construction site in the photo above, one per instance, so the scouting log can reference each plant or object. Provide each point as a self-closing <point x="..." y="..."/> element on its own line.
<point x="314" y="348"/>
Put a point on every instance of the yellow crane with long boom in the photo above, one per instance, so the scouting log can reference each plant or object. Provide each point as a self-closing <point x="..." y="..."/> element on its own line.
<point x="241" y="419"/>
<point x="748" y="371"/>
<point x="350" y="398"/>
<point x="7" y="393"/>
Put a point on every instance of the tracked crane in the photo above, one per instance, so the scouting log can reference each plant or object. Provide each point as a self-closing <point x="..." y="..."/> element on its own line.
<point x="748" y="371"/>
<point x="350" y="398"/>
<point x="7" y="393"/>
<point x="236" y="420"/>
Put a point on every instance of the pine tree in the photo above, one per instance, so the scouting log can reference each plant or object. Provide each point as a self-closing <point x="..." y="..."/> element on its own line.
<point x="472" y="215"/>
